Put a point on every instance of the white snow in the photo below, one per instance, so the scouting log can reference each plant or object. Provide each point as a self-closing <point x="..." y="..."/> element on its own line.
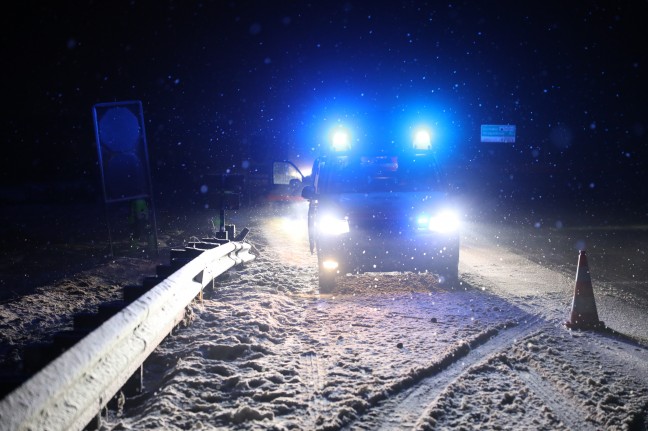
<point x="265" y="351"/>
<point x="392" y="351"/>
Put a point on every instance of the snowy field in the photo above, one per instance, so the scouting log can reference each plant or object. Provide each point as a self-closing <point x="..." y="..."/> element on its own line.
<point x="265" y="351"/>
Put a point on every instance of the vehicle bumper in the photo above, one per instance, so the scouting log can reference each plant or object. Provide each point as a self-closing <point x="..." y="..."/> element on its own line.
<point x="386" y="252"/>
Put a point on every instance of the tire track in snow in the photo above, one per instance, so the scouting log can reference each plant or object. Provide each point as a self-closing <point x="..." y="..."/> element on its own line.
<point x="402" y="407"/>
<point x="314" y="382"/>
<point x="570" y="414"/>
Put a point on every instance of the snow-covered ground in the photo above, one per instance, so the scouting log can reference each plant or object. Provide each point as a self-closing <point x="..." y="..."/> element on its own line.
<point x="385" y="351"/>
<point x="388" y="351"/>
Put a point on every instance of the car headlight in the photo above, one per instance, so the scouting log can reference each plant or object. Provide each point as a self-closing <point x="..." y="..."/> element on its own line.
<point x="445" y="221"/>
<point x="330" y="225"/>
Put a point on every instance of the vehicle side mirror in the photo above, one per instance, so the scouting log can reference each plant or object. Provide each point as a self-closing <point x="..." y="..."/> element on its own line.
<point x="308" y="192"/>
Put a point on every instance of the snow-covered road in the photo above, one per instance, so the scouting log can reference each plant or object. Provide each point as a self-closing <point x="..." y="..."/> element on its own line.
<point x="535" y="269"/>
<point x="388" y="351"/>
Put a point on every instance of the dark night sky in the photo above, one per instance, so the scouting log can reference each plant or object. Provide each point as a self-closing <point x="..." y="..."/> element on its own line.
<point x="220" y="81"/>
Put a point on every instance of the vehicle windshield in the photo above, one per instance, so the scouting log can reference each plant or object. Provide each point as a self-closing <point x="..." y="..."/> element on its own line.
<point x="376" y="174"/>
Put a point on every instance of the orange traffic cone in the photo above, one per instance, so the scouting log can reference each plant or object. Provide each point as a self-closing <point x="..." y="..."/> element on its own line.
<point x="583" y="313"/>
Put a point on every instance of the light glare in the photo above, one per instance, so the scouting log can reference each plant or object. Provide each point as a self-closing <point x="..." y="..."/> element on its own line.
<point x="329" y="265"/>
<point x="341" y="140"/>
<point x="422" y="140"/>
<point x="330" y="225"/>
<point x="444" y="222"/>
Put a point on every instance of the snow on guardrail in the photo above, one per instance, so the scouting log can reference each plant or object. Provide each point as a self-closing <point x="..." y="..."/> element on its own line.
<point x="71" y="390"/>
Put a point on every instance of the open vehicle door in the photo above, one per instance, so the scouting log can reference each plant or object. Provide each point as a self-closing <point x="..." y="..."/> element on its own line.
<point x="287" y="182"/>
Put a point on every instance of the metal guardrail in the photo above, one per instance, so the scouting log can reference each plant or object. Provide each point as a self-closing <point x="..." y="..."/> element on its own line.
<point x="72" y="389"/>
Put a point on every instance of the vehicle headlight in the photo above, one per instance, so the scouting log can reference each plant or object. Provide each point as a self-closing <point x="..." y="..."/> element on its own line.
<point x="331" y="225"/>
<point x="445" y="221"/>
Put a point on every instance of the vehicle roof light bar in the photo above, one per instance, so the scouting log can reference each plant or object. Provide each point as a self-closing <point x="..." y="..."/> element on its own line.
<point x="341" y="141"/>
<point x="422" y="140"/>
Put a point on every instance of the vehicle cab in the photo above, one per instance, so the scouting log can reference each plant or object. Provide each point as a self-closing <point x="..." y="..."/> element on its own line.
<point x="381" y="211"/>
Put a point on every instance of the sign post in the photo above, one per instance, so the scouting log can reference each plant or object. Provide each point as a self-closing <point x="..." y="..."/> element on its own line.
<point x="123" y="159"/>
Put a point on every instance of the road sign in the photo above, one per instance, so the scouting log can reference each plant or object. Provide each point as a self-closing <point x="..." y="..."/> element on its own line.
<point x="498" y="133"/>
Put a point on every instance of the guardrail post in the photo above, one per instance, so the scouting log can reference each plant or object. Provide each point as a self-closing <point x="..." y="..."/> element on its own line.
<point x="135" y="385"/>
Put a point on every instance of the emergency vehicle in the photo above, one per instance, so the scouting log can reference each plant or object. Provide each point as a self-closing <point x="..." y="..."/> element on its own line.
<point x="381" y="210"/>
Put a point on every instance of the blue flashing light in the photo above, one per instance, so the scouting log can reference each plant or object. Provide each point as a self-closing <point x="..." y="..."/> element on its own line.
<point x="341" y="141"/>
<point x="422" y="140"/>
